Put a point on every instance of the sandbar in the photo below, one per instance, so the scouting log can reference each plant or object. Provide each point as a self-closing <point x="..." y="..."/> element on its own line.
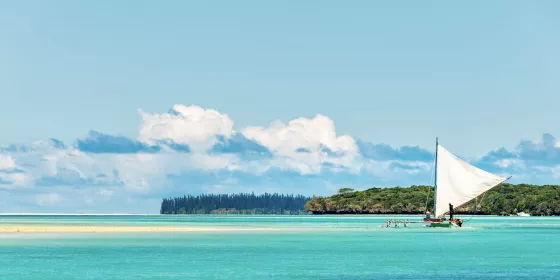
<point x="91" y="229"/>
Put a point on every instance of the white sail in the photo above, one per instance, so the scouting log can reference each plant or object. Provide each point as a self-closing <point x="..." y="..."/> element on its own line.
<point x="459" y="182"/>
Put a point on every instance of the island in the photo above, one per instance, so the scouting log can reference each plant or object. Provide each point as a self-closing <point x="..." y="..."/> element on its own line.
<point x="242" y="203"/>
<point x="505" y="199"/>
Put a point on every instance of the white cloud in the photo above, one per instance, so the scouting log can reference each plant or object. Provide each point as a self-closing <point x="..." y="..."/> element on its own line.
<point x="12" y="180"/>
<point x="190" y="125"/>
<point x="505" y="163"/>
<point x="11" y="176"/>
<point x="7" y="162"/>
<point x="304" y="133"/>
<point x="300" y="144"/>
<point x="318" y="161"/>
<point x="213" y="162"/>
<point x="18" y="179"/>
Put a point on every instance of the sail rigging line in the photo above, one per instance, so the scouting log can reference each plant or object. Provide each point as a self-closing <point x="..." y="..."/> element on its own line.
<point x="482" y="198"/>
<point x="476" y="204"/>
<point x="483" y="195"/>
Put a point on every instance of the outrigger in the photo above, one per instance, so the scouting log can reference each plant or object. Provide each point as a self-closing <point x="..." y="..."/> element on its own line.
<point x="456" y="183"/>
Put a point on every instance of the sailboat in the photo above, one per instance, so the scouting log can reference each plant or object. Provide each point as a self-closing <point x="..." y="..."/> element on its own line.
<point x="456" y="183"/>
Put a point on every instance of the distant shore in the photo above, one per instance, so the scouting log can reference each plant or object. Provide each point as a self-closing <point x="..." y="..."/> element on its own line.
<point x="503" y="200"/>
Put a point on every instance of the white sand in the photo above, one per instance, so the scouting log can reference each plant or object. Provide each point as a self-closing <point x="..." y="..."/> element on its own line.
<point x="43" y="228"/>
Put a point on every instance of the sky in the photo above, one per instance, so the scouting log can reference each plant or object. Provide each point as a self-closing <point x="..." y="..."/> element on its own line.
<point x="110" y="106"/>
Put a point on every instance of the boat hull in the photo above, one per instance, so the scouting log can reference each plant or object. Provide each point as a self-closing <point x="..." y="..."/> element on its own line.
<point x="440" y="224"/>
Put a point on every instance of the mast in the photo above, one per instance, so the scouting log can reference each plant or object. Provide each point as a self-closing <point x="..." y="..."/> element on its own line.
<point x="435" y="179"/>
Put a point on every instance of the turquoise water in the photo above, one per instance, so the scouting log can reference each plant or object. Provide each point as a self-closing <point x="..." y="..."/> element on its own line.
<point x="333" y="247"/>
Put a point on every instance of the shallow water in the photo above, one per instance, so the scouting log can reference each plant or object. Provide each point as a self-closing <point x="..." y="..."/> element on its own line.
<point x="485" y="248"/>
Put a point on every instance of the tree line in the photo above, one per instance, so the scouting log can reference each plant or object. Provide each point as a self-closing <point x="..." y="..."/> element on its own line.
<point x="505" y="199"/>
<point x="242" y="203"/>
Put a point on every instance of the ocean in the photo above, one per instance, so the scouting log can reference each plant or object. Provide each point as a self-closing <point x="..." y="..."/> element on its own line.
<point x="294" y="247"/>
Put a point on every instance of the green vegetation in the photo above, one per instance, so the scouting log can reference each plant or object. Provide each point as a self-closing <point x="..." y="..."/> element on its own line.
<point x="345" y="190"/>
<point x="505" y="199"/>
<point x="235" y="204"/>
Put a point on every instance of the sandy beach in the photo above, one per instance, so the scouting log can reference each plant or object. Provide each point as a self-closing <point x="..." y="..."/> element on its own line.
<point x="62" y="229"/>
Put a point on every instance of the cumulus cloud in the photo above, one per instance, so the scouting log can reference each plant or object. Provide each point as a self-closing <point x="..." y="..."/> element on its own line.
<point x="7" y="162"/>
<point x="195" y="150"/>
<point x="305" y="144"/>
<point x="535" y="162"/>
<point x="10" y="175"/>
<point x="543" y="152"/>
<point x="189" y="125"/>
<point x="302" y="133"/>
<point x="528" y="154"/>
<point x="11" y="180"/>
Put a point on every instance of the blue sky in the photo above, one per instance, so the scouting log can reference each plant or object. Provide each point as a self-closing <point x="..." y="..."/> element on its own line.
<point x="100" y="78"/>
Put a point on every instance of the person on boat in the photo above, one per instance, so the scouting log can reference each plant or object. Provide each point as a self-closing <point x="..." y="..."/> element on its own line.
<point x="428" y="214"/>
<point x="450" y="212"/>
